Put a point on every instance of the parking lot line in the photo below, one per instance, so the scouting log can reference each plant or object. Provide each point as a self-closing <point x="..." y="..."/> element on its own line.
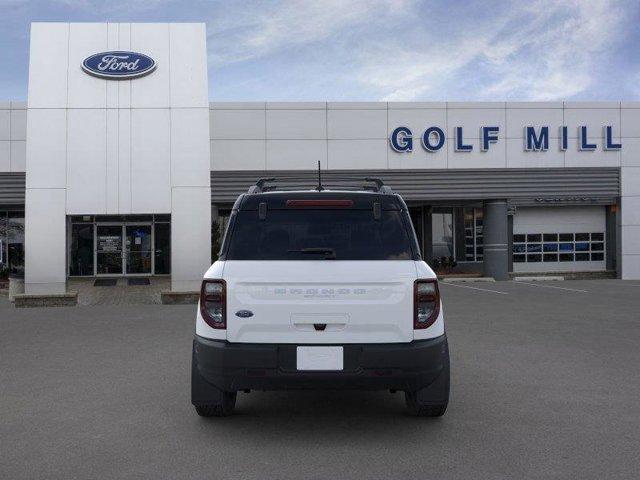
<point x="551" y="286"/>
<point x="474" y="288"/>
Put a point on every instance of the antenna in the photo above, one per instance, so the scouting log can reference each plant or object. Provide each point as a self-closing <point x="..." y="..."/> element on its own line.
<point x="320" y="187"/>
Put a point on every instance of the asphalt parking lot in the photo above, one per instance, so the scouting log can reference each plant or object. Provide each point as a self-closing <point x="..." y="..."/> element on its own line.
<point x="545" y="384"/>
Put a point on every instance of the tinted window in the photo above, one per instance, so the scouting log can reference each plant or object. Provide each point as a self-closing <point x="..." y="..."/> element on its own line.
<point x="294" y="234"/>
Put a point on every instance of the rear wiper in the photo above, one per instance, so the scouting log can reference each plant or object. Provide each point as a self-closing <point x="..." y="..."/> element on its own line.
<point x="330" y="253"/>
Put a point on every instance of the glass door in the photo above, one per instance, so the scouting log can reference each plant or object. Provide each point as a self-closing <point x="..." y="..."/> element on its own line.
<point x="109" y="250"/>
<point x="139" y="249"/>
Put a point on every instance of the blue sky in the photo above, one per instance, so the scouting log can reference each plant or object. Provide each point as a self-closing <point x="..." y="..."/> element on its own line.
<point x="378" y="49"/>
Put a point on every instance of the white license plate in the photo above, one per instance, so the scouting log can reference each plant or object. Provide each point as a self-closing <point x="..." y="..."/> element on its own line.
<point x="320" y="358"/>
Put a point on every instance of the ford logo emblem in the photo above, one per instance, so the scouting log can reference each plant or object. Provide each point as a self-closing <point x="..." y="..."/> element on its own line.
<point x="244" y="313"/>
<point x="118" y="65"/>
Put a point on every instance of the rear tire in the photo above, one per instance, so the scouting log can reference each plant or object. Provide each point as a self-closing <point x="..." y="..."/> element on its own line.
<point x="419" y="409"/>
<point x="224" y="408"/>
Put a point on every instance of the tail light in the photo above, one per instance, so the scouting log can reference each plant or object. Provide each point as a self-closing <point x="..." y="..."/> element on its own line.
<point x="426" y="303"/>
<point x="213" y="303"/>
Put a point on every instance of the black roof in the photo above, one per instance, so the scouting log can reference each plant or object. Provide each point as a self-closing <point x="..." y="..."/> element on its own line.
<point x="362" y="200"/>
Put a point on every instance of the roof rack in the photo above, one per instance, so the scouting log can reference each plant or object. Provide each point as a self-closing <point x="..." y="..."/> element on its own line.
<point x="268" y="184"/>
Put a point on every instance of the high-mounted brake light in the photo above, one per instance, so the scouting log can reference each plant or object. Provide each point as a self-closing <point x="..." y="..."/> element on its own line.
<point x="320" y="203"/>
<point x="213" y="303"/>
<point x="426" y="303"/>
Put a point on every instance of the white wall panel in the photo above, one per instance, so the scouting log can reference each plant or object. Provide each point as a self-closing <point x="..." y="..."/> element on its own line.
<point x="630" y="181"/>
<point x="47" y="148"/>
<point x="190" y="165"/>
<point x="5" y="156"/>
<point x="357" y="124"/>
<point x="357" y="154"/>
<point x="18" y="156"/>
<point x="238" y="124"/>
<point x="113" y="43"/>
<point x="630" y="120"/>
<point x="238" y="155"/>
<point x="5" y="124"/>
<point x="630" y="211"/>
<point x="124" y="86"/>
<point x="594" y="119"/>
<point x="191" y="253"/>
<point x="188" y="56"/>
<point x="631" y="239"/>
<point x="48" y="62"/>
<point x="152" y="91"/>
<point x="18" y="124"/>
<point x="296" y="124"/>
<point x="418" y="120"/>
<point x="630" y="153"/>
<point x="124" y="161"/>
<point x="495" y="157"/>
<point x="45" y="241"/>
<point x="150" y="161"/>
<point x="598" y="158"/>
<point x="86" y="161"/>
<point x="517" y="157"/>
<point x="86" y="91"/>
<point x="296" y="154"/>
<point x="418" y="158"/>
<point x="518" y="118"/>
<point x="471" y="119"/>
<point x="111" y="162"/>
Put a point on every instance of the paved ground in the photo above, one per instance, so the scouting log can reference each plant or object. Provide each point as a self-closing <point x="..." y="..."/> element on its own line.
<point x="545" y="385"/>
<point x="121" y="293"/>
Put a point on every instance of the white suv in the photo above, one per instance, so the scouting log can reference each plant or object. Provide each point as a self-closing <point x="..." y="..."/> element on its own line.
<point x="320" y="289"/>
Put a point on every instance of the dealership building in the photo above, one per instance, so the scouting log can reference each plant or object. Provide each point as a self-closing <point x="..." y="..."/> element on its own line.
<point x="118" y="165"/>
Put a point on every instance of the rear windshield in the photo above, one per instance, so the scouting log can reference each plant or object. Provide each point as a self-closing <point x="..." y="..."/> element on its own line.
<point x="319" y="234"/>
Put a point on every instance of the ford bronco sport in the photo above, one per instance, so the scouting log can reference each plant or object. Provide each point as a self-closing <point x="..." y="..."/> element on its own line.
<point x="320" y="289"/>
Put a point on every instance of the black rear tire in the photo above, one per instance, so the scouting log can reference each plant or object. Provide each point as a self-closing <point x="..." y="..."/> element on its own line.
<point x="418" y="409"/>
<point x="224" y="408"/>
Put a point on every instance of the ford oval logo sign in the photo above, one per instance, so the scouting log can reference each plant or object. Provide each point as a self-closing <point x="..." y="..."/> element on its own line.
<point x="244" y="313"/>
<point x="118" y="65"/>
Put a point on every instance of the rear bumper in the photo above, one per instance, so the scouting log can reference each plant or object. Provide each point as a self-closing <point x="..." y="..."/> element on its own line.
<point x="400" y="366"/>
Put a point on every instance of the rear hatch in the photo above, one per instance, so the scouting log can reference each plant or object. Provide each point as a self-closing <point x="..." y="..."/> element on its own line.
<point x="330" y="269"/>
<point x="323" y="301"/>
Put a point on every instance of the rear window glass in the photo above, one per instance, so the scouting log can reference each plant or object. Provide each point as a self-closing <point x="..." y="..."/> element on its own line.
<point x="319" y="234"/>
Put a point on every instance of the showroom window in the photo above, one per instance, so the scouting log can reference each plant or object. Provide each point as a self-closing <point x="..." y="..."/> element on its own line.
<point x="11" y="242"/>
<point x="558" y="247"/>
<point x="473" y="219"/>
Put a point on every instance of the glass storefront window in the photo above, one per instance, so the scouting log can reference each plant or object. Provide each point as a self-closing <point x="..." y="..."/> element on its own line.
<point x="15" y="242"/>
<point x="163" y="248"/>
<point x="81" y="252"/>
<point x="473" y="239"/>
<point x="117" y="245"/>
<point x="442" y="234"/>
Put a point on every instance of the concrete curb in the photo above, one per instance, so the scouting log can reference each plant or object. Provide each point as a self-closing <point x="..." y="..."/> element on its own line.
<point x="467" y="279"/>
<point x="24" y="300"/>
<point x="538" y="279"/>
<point x="179" y="298"/>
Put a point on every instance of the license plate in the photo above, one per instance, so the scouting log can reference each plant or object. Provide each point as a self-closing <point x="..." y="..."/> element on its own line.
<point x="320" y="358"/>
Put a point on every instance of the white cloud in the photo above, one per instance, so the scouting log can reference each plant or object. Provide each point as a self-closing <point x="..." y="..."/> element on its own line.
<point x="546" y="51"/>
<point x="247" y="33"/>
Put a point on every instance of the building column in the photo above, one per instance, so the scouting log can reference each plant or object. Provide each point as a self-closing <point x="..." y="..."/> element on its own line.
<point x="45" y="241"/>
<point x="496" y="254"/>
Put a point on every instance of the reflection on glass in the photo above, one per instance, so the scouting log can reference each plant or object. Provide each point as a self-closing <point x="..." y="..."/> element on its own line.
<point x="138" y="244"/>
<point x="442" y="231"/>
<point x="81" y="251"/>
<point x="109" y="249"/>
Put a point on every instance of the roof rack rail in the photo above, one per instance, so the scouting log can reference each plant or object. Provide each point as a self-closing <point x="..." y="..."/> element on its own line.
<point x="262" y="184"/>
